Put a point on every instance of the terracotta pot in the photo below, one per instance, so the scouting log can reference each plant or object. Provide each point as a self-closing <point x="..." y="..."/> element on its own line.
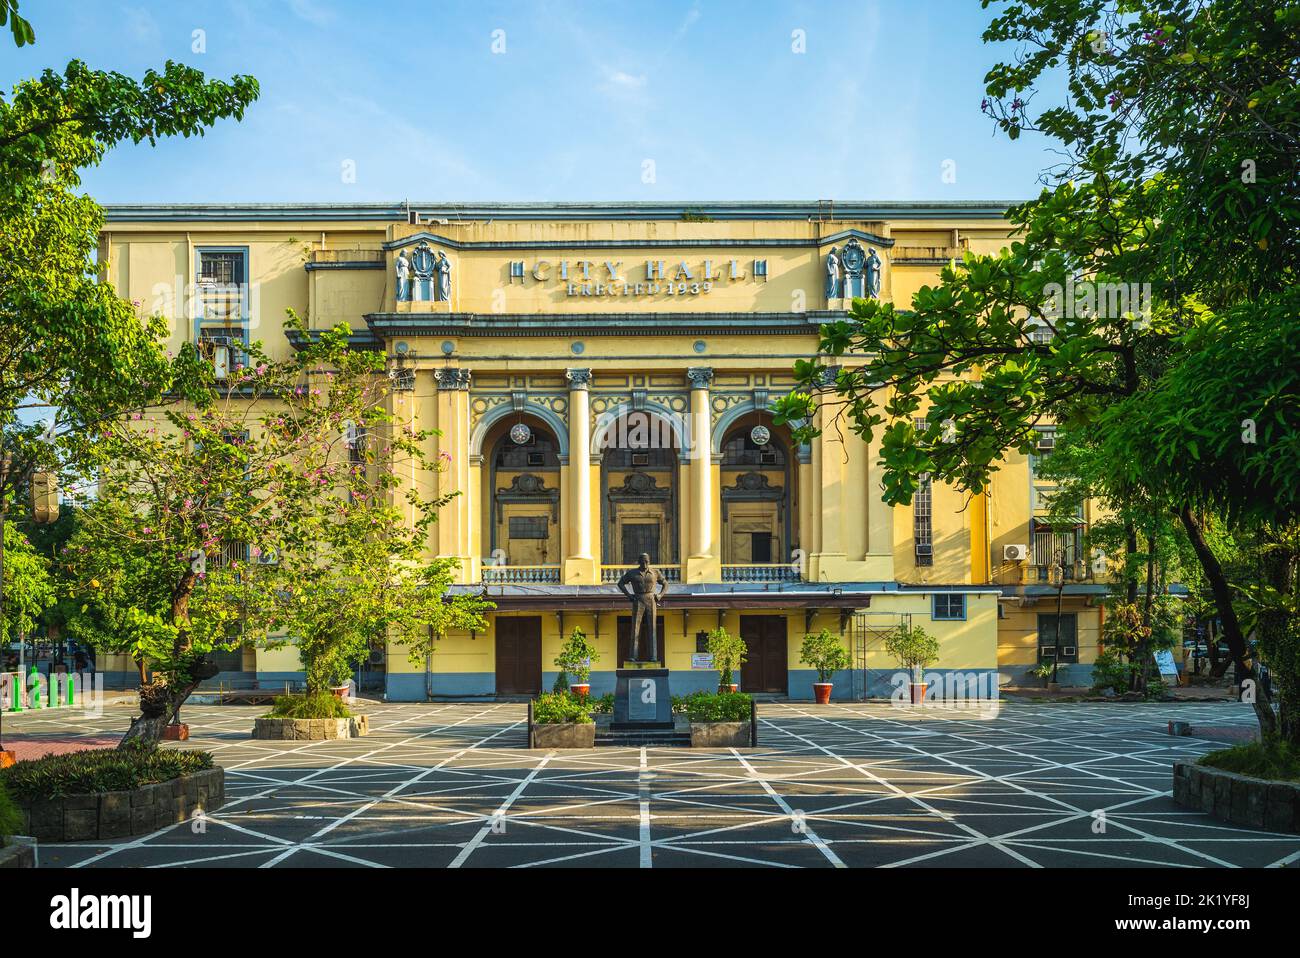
<point x="8" y="757"/>
<point x="176" y="733"/>
<point x="580" y="690"/>
<point x="822" y="692"/>
<point x="339" y="691"/>
<point x="918" y="693"/>
<point x="727" y="688"/>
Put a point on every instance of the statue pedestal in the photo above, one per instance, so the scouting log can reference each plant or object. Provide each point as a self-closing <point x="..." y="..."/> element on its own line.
<point x="642" y="700"/>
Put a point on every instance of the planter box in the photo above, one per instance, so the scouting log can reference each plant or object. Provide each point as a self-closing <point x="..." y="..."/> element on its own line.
<point x="309" y="730"/>
<point x="20" y="854"/>
<point x="564" y="735"/>
<point x="114" y="815"/>
<point x="721" y="735"/>
<point x="1239" y="799"/>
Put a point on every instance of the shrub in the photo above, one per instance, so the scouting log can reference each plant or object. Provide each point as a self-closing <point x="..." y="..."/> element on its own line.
<point x="602" y="705"/>
<point x="1110" y="671"/>
<point x="826" y="653"/>
<point x="561" y="682"/>
<point x="1273" y="758"/>
<point x="313" y="705"/>
<point x="681" y="704"/>
<point x="553" y="708"/>
<point x="10" y="818"/>
<point x="100" y="770"/>
<point x="729" y="653"/>
<point x="720" y="707"/>
<point x="576" y="656"/>
<point x="912" y="647"/>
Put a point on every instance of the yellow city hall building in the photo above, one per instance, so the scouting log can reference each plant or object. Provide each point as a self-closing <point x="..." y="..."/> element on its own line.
<point x="600" y="377"/>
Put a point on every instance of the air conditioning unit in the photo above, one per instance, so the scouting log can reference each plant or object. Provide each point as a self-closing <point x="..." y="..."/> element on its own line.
<point x="924" y="549"/>
<point x="268" y="557"/>
<point x="1047" y="442"/>
<point x="1068" y="650"/>
<point x="1015" y="553"/>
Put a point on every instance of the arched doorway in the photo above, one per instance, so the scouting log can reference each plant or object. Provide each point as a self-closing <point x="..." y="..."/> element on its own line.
<point x="639" y="492"/>
<point x="521" y="529"/>
<point x="756" y="488"/>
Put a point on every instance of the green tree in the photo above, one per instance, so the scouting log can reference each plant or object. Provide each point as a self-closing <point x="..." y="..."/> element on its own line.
<point x="28" y="586"/>
<point x="1171" y="218"/>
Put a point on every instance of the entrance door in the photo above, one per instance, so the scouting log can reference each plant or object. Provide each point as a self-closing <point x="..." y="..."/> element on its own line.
<point x="625" y="639"/>
<point x="766" y="667"/>
<point x="519" y="655"/>
<point x="639" y="537"/>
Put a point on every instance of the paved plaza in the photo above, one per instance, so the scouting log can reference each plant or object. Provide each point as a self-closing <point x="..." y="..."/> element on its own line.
<point x="451" y="785"/>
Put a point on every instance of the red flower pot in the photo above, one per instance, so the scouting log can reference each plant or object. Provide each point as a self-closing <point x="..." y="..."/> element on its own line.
<point x="918" y="693"/>
<point x="8" y="757"/>
<point x="580" y="690"/>
<point x="727" y="688"/>
<point x="339" y="691"/>
<point x="822" y="692"/>
<point x="176" y="733"/>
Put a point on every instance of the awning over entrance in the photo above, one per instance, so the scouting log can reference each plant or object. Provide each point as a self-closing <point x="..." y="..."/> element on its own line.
<point x="604" y="598"/>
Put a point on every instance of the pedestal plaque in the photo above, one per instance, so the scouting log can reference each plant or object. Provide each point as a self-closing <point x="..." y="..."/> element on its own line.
<point x="642" y="700"/>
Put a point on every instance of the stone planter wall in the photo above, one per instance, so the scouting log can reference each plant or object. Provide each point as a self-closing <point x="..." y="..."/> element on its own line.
<point x="298" y="730"/>
<point x="1238" y="799"/>
<point x="563" y="735"/>
<point x="76" y="818"/>
<point x="18" y="855"/>
<point x="721" y="735"/>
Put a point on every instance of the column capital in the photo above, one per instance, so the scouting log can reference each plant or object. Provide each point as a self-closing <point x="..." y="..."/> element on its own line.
<point x="700" y="376"/>
<point x="452" y="377"/>
<point x="578" y="378"/>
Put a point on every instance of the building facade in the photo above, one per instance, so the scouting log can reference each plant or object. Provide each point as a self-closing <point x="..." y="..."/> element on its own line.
<point x="599" y="377"/>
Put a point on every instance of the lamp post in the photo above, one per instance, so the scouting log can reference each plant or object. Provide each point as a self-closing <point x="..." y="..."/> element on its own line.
<point x="1056" y="576"/>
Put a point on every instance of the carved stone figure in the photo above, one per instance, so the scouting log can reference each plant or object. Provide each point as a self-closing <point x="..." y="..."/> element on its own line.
<point x="648" y="586"/>
<point x="853" y="259"/>
<point x="444" y="278"/>
<point x="873" y="274"/>
<point x="833" y="274"/>
<point x="403" y="277"/>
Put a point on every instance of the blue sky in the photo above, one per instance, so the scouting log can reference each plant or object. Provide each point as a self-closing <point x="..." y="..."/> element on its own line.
<point x="584" y="94"/>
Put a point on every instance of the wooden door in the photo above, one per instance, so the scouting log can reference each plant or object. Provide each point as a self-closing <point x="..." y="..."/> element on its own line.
<point x="519" y="655"/>
<point x="766" y="667"/>
<point x="638" y="538"/>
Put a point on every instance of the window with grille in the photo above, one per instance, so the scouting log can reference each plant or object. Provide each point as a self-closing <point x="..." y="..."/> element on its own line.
<point x="222" y="281"/>
<point x="922" y="522"/>
<point x="948" y="605"/>
<point x="1047" y="647"/>
<point x="528" y="527"/>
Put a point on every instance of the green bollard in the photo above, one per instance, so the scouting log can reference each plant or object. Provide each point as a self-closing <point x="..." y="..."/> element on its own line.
<point x="34" y="685"/>
<point x="72" y="686"/>
<point x="16" y="693"/>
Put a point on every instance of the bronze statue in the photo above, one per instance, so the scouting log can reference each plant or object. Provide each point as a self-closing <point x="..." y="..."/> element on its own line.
<point x="648" y="587"/>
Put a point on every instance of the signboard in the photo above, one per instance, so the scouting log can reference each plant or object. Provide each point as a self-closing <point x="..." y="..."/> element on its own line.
<point x="701" y="660"/>
<point x="1165" y="663"/>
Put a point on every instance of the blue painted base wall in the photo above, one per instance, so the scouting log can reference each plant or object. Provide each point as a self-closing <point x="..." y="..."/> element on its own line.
<point x="1073" y="675"/>
<point x="409" y="686"/>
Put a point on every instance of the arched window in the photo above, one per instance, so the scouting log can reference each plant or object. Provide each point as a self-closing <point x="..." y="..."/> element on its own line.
<point x="758" y="519"/>
<point x="523" y="486"/>
<point x="639" y="493"/>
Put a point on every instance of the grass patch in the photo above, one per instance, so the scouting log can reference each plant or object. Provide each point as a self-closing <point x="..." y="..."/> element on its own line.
<point x="718" y="707"/>
<point x="99" y="770"/>
<point x="1274" y="759"/>
<point x="321" y="705"/>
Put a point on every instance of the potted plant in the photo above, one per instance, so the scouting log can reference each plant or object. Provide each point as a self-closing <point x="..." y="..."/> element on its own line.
<point x="913" y="648"/>
<point x="1043" y="672"/>
<point x="575" y="658"/>
<point x="724" y="720"/>
<point x="728" y="652"/>
<point x="826" y="653"/>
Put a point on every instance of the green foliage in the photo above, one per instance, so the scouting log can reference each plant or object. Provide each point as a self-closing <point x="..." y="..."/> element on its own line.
<point x="719" y="707"/>
<point x="28" y="587"/>
<point x="729" y="653"/>
<point x="22" y="30"/>
<point x="561" y="682"/>
<point x="99" y="770"/>
<point x="601" y="706"/>
<point x="912" y="647"/>
<point x="314" y="705"/>
<point x="1111" y="671"/>
<point x="576" y="656"/>
<point x="825" y="652"/>
<point x="11" y="819"/>
<point x="1272" y="758"/>
<point x="553" y="708"/>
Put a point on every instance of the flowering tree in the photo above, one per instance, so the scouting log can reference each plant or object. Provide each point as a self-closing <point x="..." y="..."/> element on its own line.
<point x="228" y="518"/>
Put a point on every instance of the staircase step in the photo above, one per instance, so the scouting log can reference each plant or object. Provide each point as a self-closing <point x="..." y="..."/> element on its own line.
<point x="643" y="739"/>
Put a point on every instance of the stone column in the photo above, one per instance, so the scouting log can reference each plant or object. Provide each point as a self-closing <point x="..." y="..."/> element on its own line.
<point x="580" y="565"/>
<point x="702" y="563"/>
<point x="453" y="526"/>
